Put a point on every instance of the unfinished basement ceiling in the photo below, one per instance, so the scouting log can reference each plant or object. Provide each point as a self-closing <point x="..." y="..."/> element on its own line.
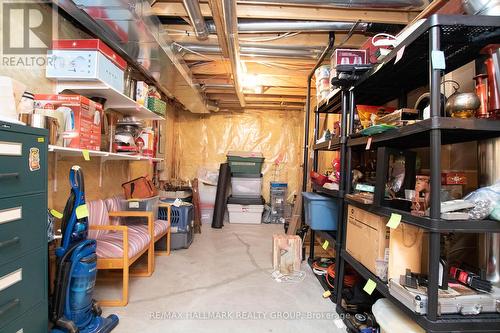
<point x="256" y="55"/>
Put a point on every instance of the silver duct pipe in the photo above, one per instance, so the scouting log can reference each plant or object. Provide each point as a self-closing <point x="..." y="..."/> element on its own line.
<point x="220" y="86"/>
<point x="392" y="4"/>
<point x="257" y="50"/>
<point x="197" y="21"/>
<point x="248" y="26"/>
<point x="231" y="34"/>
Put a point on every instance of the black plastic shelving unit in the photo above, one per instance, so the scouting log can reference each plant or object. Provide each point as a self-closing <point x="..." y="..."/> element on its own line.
<point x="460" y="38"/>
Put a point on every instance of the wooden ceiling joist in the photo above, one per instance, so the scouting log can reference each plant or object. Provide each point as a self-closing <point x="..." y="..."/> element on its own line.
<point x="295" y="12"/>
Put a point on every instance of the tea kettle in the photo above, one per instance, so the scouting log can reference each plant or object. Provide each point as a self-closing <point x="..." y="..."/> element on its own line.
<point x="462" y="105"/>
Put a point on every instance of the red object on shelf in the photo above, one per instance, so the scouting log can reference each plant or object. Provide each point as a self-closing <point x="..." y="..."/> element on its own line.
<point x="453" y="178"/>
<point x="318" y="178"/>
<point x="482" y="92"/>
<point x="90" y="44"/>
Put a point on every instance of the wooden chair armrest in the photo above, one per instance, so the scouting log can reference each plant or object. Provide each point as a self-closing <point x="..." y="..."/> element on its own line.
<point x="121" y="228"/>
<point x="127" y="213"/>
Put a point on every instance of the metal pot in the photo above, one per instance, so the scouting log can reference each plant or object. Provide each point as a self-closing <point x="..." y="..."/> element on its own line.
<point x="462" y="105"/>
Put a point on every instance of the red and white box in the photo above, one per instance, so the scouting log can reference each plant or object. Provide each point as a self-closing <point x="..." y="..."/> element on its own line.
<point x="453" y="178"/>
<point x="348" y="57"/>
<point x="85" y="60"/>
<point x="79" y="119"/>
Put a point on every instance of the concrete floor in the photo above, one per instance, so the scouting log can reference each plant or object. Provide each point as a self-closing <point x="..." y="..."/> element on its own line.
<point x="226" y="274"/>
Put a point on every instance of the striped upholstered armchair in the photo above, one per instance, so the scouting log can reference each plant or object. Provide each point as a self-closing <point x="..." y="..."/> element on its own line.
<point x="120" y="246"/>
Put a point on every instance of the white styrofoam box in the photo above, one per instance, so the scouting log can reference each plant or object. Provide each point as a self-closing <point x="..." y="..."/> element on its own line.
<point x="251" y="214"/>
<point x="251" y="187"/>
<point x="84" y="65"/>
<point x="207" y="193"/>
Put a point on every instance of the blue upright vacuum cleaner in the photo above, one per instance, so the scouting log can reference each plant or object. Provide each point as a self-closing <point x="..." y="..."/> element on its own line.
<point x="73" y="309"/>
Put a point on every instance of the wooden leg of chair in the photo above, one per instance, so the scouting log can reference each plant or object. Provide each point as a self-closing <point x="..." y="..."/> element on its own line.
<point x="168" y="241"/>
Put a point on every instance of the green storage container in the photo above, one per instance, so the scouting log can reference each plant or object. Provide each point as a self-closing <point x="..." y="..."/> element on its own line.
<point x="157" y="106"/>
<point x="245" y="162"/>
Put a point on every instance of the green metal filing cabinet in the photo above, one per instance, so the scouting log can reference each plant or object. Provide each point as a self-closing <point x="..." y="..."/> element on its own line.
<point x="23" y="229"/>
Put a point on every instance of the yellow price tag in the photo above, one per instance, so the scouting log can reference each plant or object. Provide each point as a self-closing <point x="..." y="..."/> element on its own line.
<point x="327" y="294"/>
<point x="325" y="245"/>
<point x="41" y="140"/>
<point x="56" y="214"/>
<point x="82" y="211"/>
<point x="370" y="286"/>
<point x="86" y="155"/>
<point x="394" y="221"/>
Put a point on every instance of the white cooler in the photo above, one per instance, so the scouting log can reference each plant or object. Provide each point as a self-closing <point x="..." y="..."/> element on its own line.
<point x="245" y="210"/>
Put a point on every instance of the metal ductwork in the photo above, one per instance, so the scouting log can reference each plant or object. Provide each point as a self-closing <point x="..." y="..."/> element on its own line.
<point x="197" y="21"/>
<point x="248" y="26"/>
<point x="231" y="34"/>
<point x="138" y="36"/>
<point x="380" y="4"/>
<point x="255" y="50"/>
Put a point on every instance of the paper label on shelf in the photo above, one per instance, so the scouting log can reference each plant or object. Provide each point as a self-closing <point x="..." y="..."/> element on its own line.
<point x="56" y="214"/>
<point x="370" y="286"/>
<point x="399" y="55"/>
<point x="86" y="155"/>
<point x="369" y="143"/>
<point x="327" y="294"/>
<point x="133" y="204"/>
<point x="11" y="214"/>
<point x="394" y="221"/>
<point x="325" y="245"/>
<point x="82" y="211"/>
<point x="438" y="60"/>
<point x="11" y="148"/>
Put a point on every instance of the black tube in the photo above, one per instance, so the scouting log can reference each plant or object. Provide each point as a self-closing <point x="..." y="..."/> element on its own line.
<point x="221" y="196"/>
<point x="435" y="152"/>
<point x="331" y="41"/>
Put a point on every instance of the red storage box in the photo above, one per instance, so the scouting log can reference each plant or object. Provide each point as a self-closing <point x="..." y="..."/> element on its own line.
<point x="79" y="119"/>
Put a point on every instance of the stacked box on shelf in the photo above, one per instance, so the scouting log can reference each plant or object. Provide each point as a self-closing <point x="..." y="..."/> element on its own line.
<point x="246" y="204"/>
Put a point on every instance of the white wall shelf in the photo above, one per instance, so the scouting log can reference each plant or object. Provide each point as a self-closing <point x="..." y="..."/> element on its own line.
<point x="114" y="99"/>
<point x="104" y="156"/>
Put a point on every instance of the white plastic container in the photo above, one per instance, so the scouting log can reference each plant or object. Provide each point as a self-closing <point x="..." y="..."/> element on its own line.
<point x="250" y="214"/>
<point x="207" y="193"/>
<point x="207" y="214"/>
<point x="393" y="320"/>
<point x="246" y="185"/>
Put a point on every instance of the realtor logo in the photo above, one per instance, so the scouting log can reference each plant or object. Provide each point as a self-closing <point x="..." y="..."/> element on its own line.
<point x="26" y="26"/>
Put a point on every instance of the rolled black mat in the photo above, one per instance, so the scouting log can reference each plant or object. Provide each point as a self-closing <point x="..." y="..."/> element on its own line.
<point x="221" y="195"/>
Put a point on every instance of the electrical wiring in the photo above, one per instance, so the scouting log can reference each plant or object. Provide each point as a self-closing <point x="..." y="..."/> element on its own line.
<point x="191" y="51"/>
<point x="269" y="39"/>
<point x="294" y="277"/>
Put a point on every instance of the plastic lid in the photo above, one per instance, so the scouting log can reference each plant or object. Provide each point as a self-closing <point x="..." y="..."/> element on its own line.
<point x="315" y="196"/>
<point x="246" y="175"/>
<point x="245" y="200"/>
<point x="245" y="154"/>
<point x="278" y="184"/>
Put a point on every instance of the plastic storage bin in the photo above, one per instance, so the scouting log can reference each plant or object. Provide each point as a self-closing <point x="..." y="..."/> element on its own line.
<point x="245" y="162"/>
<point x="320" y="211"/>
<point x="246" y="185"/>
<point x="181" y="240"/>
<point x="393" y="320"/>
<point x="181" y="218"/>
<point x="278" y="192"/>
<point x="148" y="205"/>
<point x="245" y="210"/>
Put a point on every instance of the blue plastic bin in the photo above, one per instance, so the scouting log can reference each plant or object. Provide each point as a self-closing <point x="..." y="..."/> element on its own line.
<point x="321" y="212"/>
<point x="181" y="218"/>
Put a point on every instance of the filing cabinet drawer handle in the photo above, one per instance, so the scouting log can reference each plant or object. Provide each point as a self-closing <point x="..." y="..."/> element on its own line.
<point x="9" y="175"/>
<point x="9" y="242"/>
<point x="11" y="304"/>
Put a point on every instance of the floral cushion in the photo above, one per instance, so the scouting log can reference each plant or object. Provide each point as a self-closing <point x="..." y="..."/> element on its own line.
<point x="111" y="244"/>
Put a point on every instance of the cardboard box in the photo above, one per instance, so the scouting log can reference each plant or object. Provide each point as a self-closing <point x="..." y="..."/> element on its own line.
<point x="79" y="119"/>
<point x="367" y="237"/>
<point x="453" y="178"/>
<point x="85" y="60"/>
<point x="287" y="253"/>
